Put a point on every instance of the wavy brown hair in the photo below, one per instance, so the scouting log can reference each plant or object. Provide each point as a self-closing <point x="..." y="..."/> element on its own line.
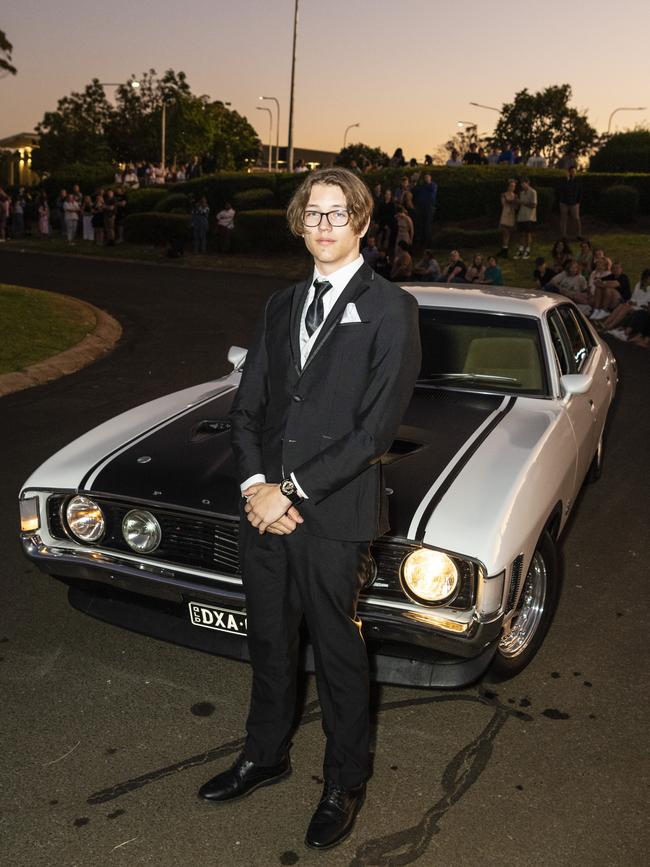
<point x="358" y="197"/>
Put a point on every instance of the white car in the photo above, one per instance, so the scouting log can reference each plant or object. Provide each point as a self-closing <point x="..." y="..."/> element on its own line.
<point x="140" y="515"/>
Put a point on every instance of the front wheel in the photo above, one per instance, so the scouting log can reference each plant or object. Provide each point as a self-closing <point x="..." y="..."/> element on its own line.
<point x="526" y="629"/>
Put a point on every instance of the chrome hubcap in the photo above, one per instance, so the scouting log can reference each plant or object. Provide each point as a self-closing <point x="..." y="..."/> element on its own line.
<point x="524" y="622"/>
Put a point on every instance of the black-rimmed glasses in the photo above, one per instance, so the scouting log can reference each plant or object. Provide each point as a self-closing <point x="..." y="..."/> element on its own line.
<point x="336" y="219"/>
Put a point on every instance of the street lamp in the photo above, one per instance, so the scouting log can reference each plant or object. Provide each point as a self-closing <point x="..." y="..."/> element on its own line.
<point x="293" y="78"/>
<point x="264" y="108"/>
<point x="347" y="130"/>
<point x="277" y="132"/>
<point x="132" y="83"/>
<point x="490" y="107"/>
<point x="622" y="108"/>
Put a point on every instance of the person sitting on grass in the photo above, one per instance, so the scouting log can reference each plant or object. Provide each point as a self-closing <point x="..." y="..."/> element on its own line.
<point x="560" y="255"/>
<point x="600" y="254"/>
<point x="476" y="271"/>
<point x="455" y="270"/>
<point x="402" y="263"/>
<point x="585" y="257"/>
<point x="618" y="320"/>
<point x="543" y="275"/>
<point x="427" y="268"/>
<point x="493" y="275"/>
<point x="571" y="283"/>
<point x="603" y="298"/>
<point x="373" y="256"/>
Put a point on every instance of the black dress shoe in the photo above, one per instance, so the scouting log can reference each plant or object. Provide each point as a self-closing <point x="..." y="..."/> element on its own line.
<point x="242" y="779"/>
<point x="335" y="815"/>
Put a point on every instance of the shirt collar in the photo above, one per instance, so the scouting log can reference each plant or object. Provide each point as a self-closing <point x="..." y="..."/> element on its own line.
<point x="340" y="279"/>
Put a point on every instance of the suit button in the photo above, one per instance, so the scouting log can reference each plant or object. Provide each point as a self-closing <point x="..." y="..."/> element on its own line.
<point x="297" y="398"/>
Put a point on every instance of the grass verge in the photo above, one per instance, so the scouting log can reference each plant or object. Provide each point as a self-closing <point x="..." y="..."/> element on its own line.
<point x="35" y="325"/>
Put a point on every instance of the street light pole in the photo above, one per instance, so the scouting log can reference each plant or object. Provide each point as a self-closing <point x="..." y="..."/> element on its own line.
<point x="622" y="108"/>
<point x="277" y="132"/>
<point x="162" y="137"/>
<point x="490" y="107"/>
<point x="264" y="108"/>
<point x="347" y="130"/>
<point x="293" y="77"/>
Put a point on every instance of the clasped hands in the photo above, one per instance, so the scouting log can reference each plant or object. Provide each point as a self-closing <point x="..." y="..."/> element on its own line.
<point x="269" y="510"/>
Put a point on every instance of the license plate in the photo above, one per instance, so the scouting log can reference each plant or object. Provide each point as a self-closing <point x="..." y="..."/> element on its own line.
<point x="221" y="619"/>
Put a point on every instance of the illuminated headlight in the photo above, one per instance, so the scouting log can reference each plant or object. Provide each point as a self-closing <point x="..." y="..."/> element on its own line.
<point x="29" y="518"/>
<point x="141" y="531"/>
<point x="429" y="577"/>
<point x="85" y="519"/>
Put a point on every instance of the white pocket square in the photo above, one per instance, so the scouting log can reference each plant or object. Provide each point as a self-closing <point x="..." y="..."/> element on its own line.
<point x="350" y="315"/>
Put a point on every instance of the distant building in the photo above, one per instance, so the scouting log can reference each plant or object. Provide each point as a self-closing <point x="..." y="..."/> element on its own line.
<point x="16" y="159"/>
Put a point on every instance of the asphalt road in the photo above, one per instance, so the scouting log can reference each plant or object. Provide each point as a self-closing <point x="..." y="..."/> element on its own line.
<point x="107" y="735"/>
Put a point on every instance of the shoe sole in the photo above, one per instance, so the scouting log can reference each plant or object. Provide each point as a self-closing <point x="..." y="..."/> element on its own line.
<point x="248" y="792"/>
<point x="339" y="839"/>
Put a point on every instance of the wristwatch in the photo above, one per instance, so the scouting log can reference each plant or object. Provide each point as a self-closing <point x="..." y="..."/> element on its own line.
<point x="290" y="491"/>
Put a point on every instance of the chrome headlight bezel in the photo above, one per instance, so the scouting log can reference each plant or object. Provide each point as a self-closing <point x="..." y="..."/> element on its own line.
<point x="149" y="529"/>
<point x="93" y="510"/>
<point x="440" y="561"/>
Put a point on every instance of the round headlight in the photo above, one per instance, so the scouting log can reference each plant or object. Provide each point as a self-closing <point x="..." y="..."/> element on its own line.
<point x="141" y="531"/>
<point x="85" y="519"/>
<point x="429" y="577"/>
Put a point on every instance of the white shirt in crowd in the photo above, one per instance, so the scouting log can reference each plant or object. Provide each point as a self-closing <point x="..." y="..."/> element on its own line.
<point x="339" y="280"/>
<point x="640" y="297"/>
<point x="226" y="218"/>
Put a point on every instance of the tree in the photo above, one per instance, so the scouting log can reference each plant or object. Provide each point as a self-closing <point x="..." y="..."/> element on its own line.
<point x="623" y="152"/>
<point x="363" y="155"/>
<point x="6" y="66"/>
<point x="545" y="122"/>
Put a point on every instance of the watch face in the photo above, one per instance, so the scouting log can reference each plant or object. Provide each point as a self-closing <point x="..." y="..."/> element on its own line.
<point x="287" y="487"/>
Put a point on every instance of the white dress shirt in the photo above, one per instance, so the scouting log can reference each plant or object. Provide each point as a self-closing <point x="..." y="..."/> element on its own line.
<point x="339" y="280"/>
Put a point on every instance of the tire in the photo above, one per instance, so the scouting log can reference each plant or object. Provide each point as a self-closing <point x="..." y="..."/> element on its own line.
<point x="526" y="630"/>
<point x="596" y="466"/>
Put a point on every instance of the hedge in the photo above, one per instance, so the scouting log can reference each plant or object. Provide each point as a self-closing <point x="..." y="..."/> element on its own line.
<point x="144" y="200"/>
<point x="265" y="232"/>
<point x="177" y="203"/>
<point x="620" y="204"/>
<point x="89" y="178"/>
<point x="624" y="152"/>
<point x="155" y="228"/>
<point x="253" y="199"/>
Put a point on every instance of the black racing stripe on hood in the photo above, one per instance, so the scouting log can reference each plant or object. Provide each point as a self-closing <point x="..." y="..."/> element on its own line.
<point x="436" y="426"/>
<point x="188" y="465"/>
<point x="459" y="465"/>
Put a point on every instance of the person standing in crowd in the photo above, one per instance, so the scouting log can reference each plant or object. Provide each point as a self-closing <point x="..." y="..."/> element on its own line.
<point x="131" y="181"/>
<point x="200" y="223"/>
<point x="225" y="226"/>
<point x="312" y="511"/>
<point x="493" y="156"/>
<point x="71" y="217"/>
<point x="402" y="265"/>
<point x="18" y="216"/>
<point x="509" y="204"/>
<point x="98" y="219"/>
<point x="454" y="159"/>
<point x="506" y="157"/>
<point x="110" y="209"/>
<point x="493" y="275"/>
<point x="399" y="191"/>
<point x="5" y="207"/>
<point x="570" y="196"/>
<point x="472" y="157"/>
<point x="120" y="214"/>
<point x="60" y="201"/>
<point x="526" y="218"/>
<point x="397" y="160"/>
<point x="404" y="227"/>
<point x="537" y="161"/>
<point x="424" y="196"/>
<point x="387" y="227"/>
<point x="88" y="232"/>
<point x="43" y="216"/>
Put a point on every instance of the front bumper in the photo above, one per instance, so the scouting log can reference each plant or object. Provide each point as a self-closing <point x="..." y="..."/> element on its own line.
<point x="408" y="645"/>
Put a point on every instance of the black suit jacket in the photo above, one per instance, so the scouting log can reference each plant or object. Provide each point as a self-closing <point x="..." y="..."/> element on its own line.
<point x="330" y="421"/>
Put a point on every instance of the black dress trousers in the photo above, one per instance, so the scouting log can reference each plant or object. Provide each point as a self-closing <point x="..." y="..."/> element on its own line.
<point x="286" y="577"/>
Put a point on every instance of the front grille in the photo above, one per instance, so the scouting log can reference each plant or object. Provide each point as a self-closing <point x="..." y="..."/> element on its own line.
<point x="211" y="544"/>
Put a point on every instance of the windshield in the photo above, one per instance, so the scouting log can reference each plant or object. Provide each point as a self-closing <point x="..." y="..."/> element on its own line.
<point x="481" y="351"/>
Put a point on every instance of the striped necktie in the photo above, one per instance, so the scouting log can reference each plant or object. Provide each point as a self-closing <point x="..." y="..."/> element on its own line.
<point x="315" y="313"/>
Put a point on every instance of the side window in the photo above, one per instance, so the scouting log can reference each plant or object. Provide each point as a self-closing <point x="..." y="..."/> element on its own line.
<point x="586" y="333"/>
<point x="579" y="348"/>
<point x="558" y="336"/>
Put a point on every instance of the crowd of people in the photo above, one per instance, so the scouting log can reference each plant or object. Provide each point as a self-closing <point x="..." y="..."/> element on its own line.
<point x="147" y="174"/>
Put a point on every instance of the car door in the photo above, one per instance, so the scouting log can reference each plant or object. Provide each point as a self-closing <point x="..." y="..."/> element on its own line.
<point x="575" y="356"/>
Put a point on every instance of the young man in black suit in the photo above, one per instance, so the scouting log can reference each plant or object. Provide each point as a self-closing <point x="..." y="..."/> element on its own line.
<point x="324" y="388"/>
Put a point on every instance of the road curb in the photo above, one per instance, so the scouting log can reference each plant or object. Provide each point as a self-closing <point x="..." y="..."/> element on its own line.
<point x="100" y="341"/>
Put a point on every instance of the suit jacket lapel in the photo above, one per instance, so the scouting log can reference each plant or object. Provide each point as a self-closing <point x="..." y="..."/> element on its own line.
<point x="297" y="303"/>
<point x="357" y="285"/>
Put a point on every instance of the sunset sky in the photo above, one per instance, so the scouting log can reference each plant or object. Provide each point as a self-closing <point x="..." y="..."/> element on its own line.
<point x="406" y="71"/>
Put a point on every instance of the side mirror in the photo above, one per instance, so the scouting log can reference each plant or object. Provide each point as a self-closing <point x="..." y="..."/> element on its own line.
<point x="237" y="356"/>
<point x="576" y="383"/>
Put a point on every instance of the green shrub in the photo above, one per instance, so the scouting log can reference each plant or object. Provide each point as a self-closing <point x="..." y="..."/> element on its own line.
<point x="176" y="203"/>
<point x="156" y="228"/>
<point x="88" y="176"/>
<point x="624" y="152"/>
<point x="253" y="200"/>
<point x="545" y="204"/>
<point x="265" y="232"/>
<point x="285" y="187"/>
<point x="220" y="188"/>
<point x="619" y="204"/>
<point x="144" y="200"/>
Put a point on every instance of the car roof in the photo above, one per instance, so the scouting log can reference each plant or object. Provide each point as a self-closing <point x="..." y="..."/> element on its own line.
<point x="491" y="299"/>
